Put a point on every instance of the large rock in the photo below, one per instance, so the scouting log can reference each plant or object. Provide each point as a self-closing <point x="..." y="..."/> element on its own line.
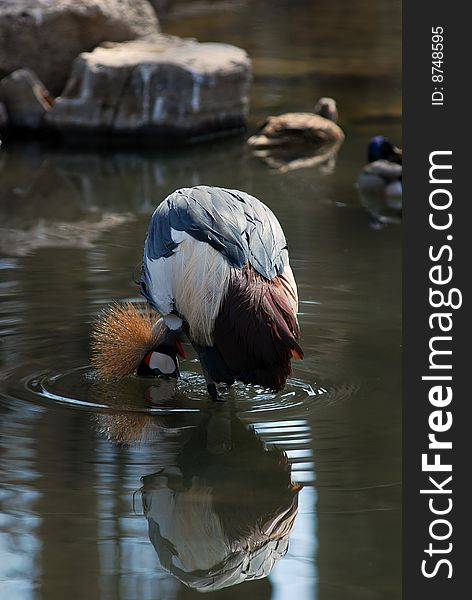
<point x="25" y="98"/>
<point x="47" y="35"/>
<point x="170" y="87"/>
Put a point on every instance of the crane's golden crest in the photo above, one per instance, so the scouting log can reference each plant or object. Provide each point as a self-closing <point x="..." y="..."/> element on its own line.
<point x="121" y="337"/>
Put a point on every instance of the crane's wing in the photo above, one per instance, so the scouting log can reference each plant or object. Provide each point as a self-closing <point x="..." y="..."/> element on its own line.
<point x="236" y="224"/>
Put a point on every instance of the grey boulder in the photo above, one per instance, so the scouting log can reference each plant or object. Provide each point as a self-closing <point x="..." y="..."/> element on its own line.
<point x="47" y="35"/>
<point x="170" y="87"/>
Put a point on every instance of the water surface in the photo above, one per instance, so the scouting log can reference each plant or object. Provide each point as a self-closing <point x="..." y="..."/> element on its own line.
<point x="134" y="490"/>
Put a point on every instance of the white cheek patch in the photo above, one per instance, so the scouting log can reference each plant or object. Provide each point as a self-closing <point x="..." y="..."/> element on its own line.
<point x="164" y="363"/>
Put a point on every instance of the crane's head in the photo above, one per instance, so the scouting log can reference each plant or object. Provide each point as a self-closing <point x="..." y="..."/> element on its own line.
<point x="162" y="360"/>
<point x="127" y="339"/>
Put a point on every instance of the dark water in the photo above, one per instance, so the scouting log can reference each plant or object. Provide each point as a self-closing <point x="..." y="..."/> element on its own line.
<point x="123" y="491"/>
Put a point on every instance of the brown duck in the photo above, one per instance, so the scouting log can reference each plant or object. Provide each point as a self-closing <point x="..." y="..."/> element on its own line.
<point x="293" y="129"/>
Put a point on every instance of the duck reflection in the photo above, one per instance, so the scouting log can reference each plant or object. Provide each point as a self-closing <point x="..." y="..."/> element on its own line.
<point x="381" y="209"/>
<point x="220" y="506"/>
<point x="283" y="159"/>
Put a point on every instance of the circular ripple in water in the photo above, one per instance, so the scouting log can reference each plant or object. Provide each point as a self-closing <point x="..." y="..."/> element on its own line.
<point x="140" y="410"/>
<point x="79" y="388"/>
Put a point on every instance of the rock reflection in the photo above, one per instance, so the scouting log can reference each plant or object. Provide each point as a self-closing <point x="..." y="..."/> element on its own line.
<point x="220" y="506"/>
<point x="53" y="198"/>
<point x="41" y="205"/>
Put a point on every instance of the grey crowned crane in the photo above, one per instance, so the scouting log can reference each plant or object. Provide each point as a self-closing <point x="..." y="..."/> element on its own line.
<point x="216" y="268"/>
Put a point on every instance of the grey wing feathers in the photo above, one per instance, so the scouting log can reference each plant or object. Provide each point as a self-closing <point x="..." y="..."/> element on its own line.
<point x="236" y="224"/>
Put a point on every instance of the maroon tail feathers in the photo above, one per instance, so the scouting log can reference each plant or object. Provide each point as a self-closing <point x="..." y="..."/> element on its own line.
<point x="257" y="330"/>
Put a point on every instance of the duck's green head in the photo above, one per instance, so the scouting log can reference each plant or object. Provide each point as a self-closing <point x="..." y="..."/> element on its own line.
<point x="381" y="148"/>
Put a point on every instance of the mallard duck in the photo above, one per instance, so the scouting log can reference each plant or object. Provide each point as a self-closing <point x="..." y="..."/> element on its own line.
<point x="380" y="183"/>
<point x="383" y="174"/>
<point x="293" y="129"/>
<point x="381" y="148"/>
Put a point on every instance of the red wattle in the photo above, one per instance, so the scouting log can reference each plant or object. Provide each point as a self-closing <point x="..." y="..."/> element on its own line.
<point x="180" y="349"/>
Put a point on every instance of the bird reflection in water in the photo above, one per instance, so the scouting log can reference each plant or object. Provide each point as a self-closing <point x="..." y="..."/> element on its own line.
<point x="381" y="210"/>
<point x="283" y="159"/>
<point x="220" y="506"/>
